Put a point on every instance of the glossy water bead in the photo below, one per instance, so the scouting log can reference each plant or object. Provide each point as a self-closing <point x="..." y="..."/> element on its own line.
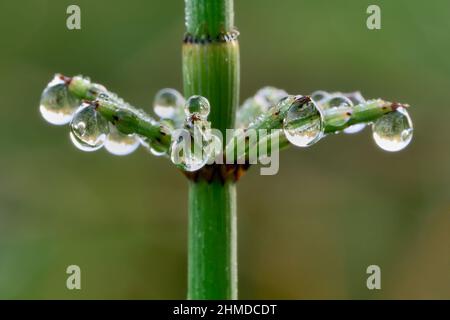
<point x="88" y="129"/>
<point x="336" y="100"/>
<point x="393" y="131"/>
<point x="153" y="146"/>
<point x="120" y="144"/>
<point x="167" y="103"/>
<point x="57" y="104"/>
<point x="319" y="96"/>
<point x="303" y="124"/>
<point x="197" y="106"/>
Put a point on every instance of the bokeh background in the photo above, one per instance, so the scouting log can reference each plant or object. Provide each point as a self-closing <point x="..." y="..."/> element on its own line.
<point x="308" y="232"/>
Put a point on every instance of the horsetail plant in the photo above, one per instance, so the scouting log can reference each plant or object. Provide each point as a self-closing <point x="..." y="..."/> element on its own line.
<point x="190" y="132"/>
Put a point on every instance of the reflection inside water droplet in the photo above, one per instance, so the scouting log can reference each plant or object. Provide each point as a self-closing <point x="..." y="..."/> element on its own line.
<point x="393" y="131"/>
<point x="168" y="103"/>
<point x="88" y="128"/>
<point x="57" y="104"/>
<point x="197" y="106"/>
<point x="120" y="144"/>
<point x="303" y="124"/>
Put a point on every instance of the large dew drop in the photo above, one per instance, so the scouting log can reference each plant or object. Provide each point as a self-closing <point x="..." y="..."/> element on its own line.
<point x="120" y="144"/>
<point x="88" y="129"/>
<point x="197" y="107"/>
<point x="393" y="131"/>
<point x="167" y="103"/>
<point x="57" y="104"/>
<point x="303" y="124"/>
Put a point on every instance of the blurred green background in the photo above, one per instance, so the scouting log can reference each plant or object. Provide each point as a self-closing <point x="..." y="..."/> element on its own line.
<point x="308" y="232"/>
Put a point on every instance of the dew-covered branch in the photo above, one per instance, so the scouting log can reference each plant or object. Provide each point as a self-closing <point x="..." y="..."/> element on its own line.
<point x="304" y="120"/>
<point x="98" y="118"/>
<point x="269" y="121"/>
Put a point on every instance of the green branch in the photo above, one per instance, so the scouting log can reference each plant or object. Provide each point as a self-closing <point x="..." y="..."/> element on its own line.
<point x="335" y="120"/>
<point x="126" y="118"/>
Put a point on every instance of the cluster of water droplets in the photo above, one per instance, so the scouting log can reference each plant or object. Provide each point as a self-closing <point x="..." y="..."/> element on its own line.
<point x="195" y="145"/>
<point x="89" y="130"/>
<point x="337" y="101"/>
<point x="304" y="125"/>
<point x="255" y="106"/>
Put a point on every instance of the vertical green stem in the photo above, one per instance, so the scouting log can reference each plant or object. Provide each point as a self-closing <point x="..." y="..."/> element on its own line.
<point x="211" y="69"/>
<point x="212" y="240"/>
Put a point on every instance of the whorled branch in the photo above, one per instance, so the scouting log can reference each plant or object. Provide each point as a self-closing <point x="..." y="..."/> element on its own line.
<point x="131" y="120"/>
<point x="334" y="120"/>
<point x="126" y="118"/>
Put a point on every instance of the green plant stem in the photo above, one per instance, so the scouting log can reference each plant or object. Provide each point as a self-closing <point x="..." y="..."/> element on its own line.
<point x="211" y="69"/>
<point x="212" y="240"/>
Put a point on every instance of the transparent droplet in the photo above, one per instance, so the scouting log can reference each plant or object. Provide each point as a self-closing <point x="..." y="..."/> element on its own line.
<point x="319" y="95"/>
<point x="167" y="103"/>
<point x="268" y="97"/>
<point x="197" y="106"/>
<point x="88" y="128"/>
<point x="393" y="131"/>
<point x="189" y="151"/>
<point x="57" y="104"/>
<point x="355" y="97"/>
<point x="303" y="124"/>
<point x="355" y="128"/>
<point x="120" y="144"/>
<point x="154" y="147"/>
<point x="336" y="100"/>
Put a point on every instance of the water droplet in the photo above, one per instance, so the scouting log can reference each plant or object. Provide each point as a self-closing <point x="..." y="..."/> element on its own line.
<point x="393" y="131"/>
<point x="319" y="95"/>
<point x="355" y="128"/>
<point x="355" y="97"/>
<point x="303" y="124"/>
<point x="336" y="100"/>
<point x="268" y="97"/>
<point x="189" y="149"/>
<point x="57" y="104"/>
<point x="88" y="128"/>
<point x="197" y="106"/>
<point x="120" y="144"/>
<point x="167" y="103"/>
<point x="153" y="146"/>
